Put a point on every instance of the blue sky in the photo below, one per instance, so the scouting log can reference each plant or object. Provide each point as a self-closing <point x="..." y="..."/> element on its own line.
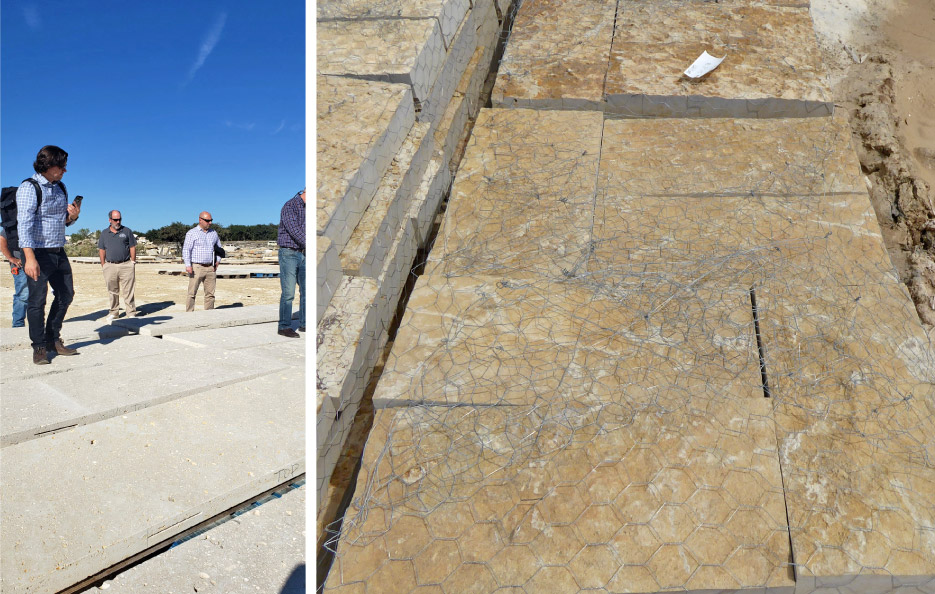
<point x="165" y="108"/>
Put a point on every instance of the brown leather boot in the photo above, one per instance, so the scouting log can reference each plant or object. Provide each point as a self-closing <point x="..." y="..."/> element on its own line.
<point x="39" y="356"/>
<point x="61" y="349"/>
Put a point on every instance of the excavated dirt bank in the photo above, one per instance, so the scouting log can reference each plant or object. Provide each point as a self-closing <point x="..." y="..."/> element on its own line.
<point x="881" y="57"/>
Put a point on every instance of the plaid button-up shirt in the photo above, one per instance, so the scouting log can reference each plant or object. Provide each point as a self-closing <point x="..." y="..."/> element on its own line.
<point x="43" y="227"/>
<point x="199" y="246"/>
<point x="292" y="224"/>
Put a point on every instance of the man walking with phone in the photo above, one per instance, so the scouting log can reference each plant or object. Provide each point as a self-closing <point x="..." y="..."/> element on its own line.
<point x="117" y="249"/>
<point x="41" y="222"/>
<point x="201" y="261"/>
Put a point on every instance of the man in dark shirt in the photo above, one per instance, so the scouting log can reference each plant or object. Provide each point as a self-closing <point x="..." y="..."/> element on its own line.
<point x="291" y="240"/>
<point x="117" y="248"/>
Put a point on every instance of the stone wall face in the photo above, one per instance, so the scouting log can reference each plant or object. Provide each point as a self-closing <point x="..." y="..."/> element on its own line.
<point x="652" y="353"/>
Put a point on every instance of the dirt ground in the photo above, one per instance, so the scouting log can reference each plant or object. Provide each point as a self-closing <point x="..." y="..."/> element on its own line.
<point x="881" y="56"/>
<point x="159" y="291"/>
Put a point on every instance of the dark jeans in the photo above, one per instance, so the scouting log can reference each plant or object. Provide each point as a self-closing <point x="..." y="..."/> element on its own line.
<point x="54" y="270"/>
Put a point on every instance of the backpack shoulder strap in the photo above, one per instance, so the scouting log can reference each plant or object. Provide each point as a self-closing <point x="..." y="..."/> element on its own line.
<point x="61" y="184"/>
<point x="38" y="188"/>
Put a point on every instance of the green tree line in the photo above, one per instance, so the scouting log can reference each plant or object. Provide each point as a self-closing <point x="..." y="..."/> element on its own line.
<point x="175" y="233"/>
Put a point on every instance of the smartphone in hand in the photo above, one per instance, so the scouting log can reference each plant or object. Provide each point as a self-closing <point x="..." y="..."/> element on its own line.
<point x="78" y="200"/>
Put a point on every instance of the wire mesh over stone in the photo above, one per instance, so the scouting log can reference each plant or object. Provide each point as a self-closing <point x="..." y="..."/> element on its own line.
<point x="652" y="354"/>
<point x="610" y="398"/>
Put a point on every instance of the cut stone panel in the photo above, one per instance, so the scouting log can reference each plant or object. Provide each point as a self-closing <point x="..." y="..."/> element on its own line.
<point x="162" y="324"/>
<point x="855" y="405"/>
<point x="367" y="248"/>
<point x="361" y="126"/>
<point x="675" y="157"/>
<point x="77" y="502"/>
<point x="456" y="60"/>
<point x="34" y="406"/>
<point x="328" y="268"/>
<point x="523" y="201"/>
<point x="349" y="339"/>
<point x="448" y="13"/>
<point x="557" y="55"/>
<point x="483" y="341"/>
<point x="527" y="490"/>
<point x="772" y="67"/>
<point x="409" y="51"/>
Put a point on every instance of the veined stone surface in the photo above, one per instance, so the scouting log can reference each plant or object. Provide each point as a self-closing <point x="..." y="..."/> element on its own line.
<point x="523" y="202"/>
<point x="409" y="51"/>
<point x="485" y="341"/>
<point x="562" y="497"/>
<point x="448" y="13"/>
<point x="772" y="68"/>
<point x="654" y="333"/>
<point x="557" y="55"/>
<point x="849" y="366"/>
<point x="361" y="126"/>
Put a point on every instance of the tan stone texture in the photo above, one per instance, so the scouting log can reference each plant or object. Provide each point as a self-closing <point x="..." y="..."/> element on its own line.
<point x="562" y="497"/>
<point x="448" y="13"/>
<point x="361" y="125"/>
<point x="522" y="204"/>
<point x="409" y="51"/>
<point x="772" y="68"/>
<point x="849" y="366"/>
<point x="557" y="55"/>
<point x="484" y="341"/>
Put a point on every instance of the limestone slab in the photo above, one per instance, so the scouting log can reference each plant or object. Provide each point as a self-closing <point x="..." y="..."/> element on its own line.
<point x="90" y="393"/>
<point x="772" y="69"/>
<point x="125" y="484"/>
<point x="484" y="341"/>
<point x="80" y="331"/>
<point x="171" y="323"/>
<point x="850" y="369"/>
<point x="557" y="55"/>
<point x="456" y="59"/>
<point x="361" y="126"/>
<point x="854" y="374"/>
<point x="348" y="339"/>
<point x="368" y="245"/>
<point x="408" y="51"/>
<point x="328" y="269"/>
<point x="566" y="498"/>
<point x="523" y="200"/>
<point x="256" y="340"/>
<point x="261" y="547"/>
<point x="448" y="13"/>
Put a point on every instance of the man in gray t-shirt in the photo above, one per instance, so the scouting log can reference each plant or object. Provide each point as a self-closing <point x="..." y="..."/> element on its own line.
<point x="20" y="288"/>
<point x="117" y="248"/>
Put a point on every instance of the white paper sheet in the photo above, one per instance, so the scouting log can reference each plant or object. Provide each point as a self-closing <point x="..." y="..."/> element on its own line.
<point x="703" y="65"/>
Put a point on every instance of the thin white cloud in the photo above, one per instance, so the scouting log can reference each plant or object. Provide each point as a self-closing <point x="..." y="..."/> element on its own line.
<point x="207" y="45"/>
<point x="282" y="125"/>
<point x="240" y="126"/>
<point x="31" y="14"/>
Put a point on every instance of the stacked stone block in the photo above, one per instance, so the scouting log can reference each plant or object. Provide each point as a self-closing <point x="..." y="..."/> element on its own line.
<point x="398" y="83"/>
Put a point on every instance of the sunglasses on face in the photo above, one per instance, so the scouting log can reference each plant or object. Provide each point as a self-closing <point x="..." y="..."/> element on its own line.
<point x="117" y="219"/>
<point x="206" y="220"/>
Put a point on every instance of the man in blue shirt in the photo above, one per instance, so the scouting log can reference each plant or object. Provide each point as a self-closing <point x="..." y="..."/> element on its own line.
<point x="201" y="263"/>
<point x="41" y="229"/>
<point x="291" y="240"/>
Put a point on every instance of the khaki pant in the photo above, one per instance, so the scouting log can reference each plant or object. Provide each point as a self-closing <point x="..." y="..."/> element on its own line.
<point x="121" y="280"/>
<point x="206" y="274"/>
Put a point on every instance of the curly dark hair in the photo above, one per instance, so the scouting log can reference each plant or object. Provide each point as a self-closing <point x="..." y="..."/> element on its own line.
<point x="49" y="156"/>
